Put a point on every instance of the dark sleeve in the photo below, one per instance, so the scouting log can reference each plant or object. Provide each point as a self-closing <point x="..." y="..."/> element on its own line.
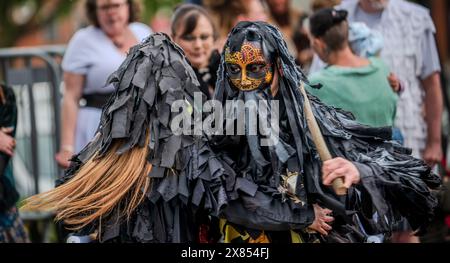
<point x="394" y="185"/>
<point x="261" y="211"/>
<point x="219" y="191"/>
<point x="3" y="163"/>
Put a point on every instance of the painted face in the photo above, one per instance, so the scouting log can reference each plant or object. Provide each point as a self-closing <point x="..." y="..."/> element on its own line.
<point x="248" y="68"/>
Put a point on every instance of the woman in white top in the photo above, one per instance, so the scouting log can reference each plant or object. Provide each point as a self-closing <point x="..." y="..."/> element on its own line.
<point x="92" y="55"/>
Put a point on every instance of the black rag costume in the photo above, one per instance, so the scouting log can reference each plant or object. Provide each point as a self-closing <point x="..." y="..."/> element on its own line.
<point x="393" y="183"/>
<point x="154" y="75"/>
<point x="230" y="177"/>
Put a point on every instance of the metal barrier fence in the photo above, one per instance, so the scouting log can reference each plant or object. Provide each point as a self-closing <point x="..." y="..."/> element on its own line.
<point x="35" y="76"/>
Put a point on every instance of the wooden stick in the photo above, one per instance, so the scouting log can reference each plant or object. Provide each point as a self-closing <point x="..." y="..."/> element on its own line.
<point x="322" y="149"/>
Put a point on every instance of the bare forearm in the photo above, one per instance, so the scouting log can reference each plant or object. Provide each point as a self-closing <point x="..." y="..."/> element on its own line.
<point x="69" y="115"/>
<point x="69" y="112"/>
<point x="433" y="108"/>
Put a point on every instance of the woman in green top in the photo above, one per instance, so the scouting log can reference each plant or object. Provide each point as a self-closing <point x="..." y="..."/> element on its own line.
<point x="350" y="82"/>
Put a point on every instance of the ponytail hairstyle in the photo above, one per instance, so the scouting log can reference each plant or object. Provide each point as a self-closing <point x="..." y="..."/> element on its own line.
<point x="331" y="26"/>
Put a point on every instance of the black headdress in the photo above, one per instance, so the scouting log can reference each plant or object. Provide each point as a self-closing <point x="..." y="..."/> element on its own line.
<point x="154" y="75"/>
<point x="393" y="183"/>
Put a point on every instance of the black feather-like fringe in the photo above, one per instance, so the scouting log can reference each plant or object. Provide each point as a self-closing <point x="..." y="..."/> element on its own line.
<point x="394" y="184"/>
<point x="196" y="173"/>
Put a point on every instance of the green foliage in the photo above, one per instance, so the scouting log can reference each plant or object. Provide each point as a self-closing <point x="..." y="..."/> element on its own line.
<point x="152" y="6"/>
<point x="41" y="13"/>
<point x="20" y="17"/>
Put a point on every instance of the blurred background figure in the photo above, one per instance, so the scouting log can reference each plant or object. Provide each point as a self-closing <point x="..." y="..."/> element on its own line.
<point x="364" y="42"/>
<point x="227" y="13"/>
<point x="92" y="55"/>
<point x="289" y="20"/>
<point x="316" y="5"/>
<point x="11" y="227"/>
<point x="301" y="37"/>
<point x="411" y="53"/>
<point x="350" y="82"/>
<point x="301" y="40"/>
<point x="193" y="29"/>
<point x="284" y="16"/>
<point x="254" y="11"/>
<point x="161" y="20"/>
